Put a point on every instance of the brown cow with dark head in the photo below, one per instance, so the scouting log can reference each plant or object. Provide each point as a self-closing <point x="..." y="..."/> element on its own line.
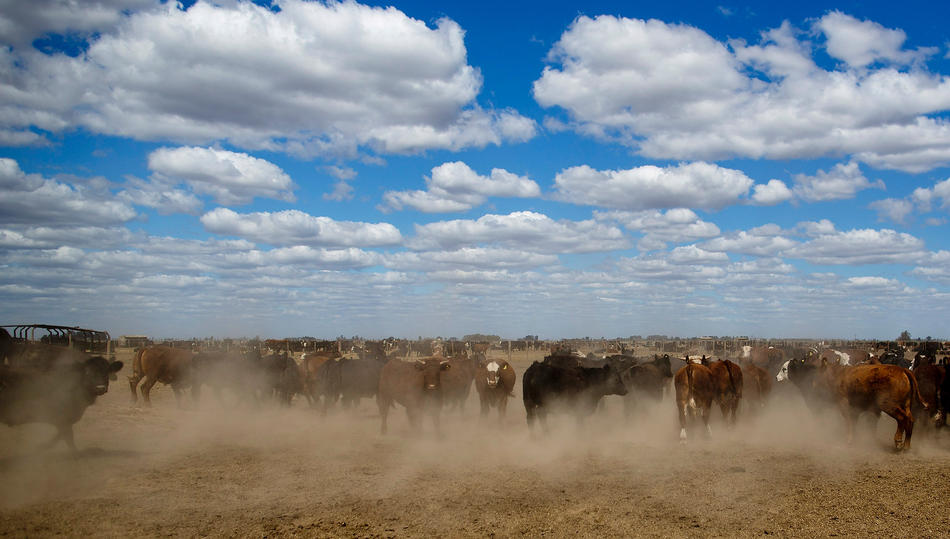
<point x="160" y="364"/>
<point x="757" y="384"/>
<point x="414" y="384"/>
<point x="494" y="382"/>
<point x="872" y="388"/>
<point x="695" y="390"/>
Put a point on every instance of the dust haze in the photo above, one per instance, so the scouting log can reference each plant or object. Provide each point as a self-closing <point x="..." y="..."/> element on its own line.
<point x="217" y="468"/>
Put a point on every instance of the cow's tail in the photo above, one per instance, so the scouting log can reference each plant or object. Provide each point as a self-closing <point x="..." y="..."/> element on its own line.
<point x="137" y="363"/>
<point x="915" y="391"/>
<point x="689" y="385"/>
<point x="732" y="382"/>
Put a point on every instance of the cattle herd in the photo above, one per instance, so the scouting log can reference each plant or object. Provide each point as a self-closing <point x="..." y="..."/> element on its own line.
<point x="54" y="384"/>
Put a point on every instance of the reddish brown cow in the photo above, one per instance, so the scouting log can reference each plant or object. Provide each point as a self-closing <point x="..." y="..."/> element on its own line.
<point x="727" y="379"/>
<point x="757" y="384"/>
<point x="695" y="390"/>
<point x="415" y="385"/>
<point x="872" y="388"/>
<point x="310" y="370"/>
<point x="160" y="364"/>
<point x="494" y="382"/>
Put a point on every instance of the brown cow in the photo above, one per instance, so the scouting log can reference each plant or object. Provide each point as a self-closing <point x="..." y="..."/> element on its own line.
<point x="494" y="382"/>
<point x="929" y="380"/>
<point x="160" y="364"/>
<point x="415" y="385"/>
<point x="695" y="390"/>
<point x="727" y="378"/>
<point x="310" y="371"/>
<point x="457" y="382"/>
<point x="757" y="384"/>
<point x="872" y="388"/>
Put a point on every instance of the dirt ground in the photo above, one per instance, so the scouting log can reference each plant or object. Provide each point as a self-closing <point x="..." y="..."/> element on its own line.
<point x="217" y="470"/>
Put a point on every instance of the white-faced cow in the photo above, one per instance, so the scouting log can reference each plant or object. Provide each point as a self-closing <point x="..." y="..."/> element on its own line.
<point x="494" y="382"/>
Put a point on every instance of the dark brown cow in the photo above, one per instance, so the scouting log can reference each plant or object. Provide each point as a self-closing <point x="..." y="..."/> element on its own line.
<point x="457" y="382"/>
<point x="310" y="371"/>
<point x="727" y="378"/>
<point x="494" y="382"/>
<point x="160" y="364"/>
<point x="415" y="385"/>
<point x="872" y="388"/>
<point x="645" y="379"/>
<point x="757" y="384"/>
<point x="695" y="390"/>
<point x="929" y="380"/>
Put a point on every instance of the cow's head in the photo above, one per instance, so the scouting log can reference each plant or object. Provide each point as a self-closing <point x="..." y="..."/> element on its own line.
<point x="493" y="372"/>
<point x="96" y="373"/>
<point x="613" y="383"/>
<point x="432" y="372"/>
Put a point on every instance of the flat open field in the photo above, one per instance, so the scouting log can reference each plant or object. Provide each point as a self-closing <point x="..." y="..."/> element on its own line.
<point x="214" y="470"/>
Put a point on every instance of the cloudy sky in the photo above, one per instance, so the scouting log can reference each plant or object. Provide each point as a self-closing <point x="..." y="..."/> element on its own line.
<point x="562" y="169"/>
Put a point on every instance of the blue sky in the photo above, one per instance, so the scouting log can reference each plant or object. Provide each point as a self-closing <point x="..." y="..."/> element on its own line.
<point x="422" y="169"/>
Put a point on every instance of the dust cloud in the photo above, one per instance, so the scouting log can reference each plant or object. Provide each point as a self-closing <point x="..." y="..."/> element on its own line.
<point x="216" y="468"/>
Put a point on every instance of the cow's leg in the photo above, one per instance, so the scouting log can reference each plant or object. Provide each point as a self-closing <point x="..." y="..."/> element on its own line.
<point x="628" y="406"/>
<point x="502" y="407"/>
<point x="146" y="388"/>
<point x="905" y="429"/>
<point x="682" y="416"/>
<point x="383" y="405"/>
<point x="705" y="415"/>
<point x="177" y="391"/>
<point x="196" y="392"/>
<point x="65" y="433"/>
<point x="850" y="417"/>
<point x="134" y="380"/>
<point x="483" y="403"/>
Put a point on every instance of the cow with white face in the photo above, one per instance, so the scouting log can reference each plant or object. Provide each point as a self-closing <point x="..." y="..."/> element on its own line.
<point x="494" y="381"/>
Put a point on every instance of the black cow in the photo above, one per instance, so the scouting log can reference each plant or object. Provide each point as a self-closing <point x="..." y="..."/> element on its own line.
<point x="579" y="388"/>
<point x="347" y="380"/>
<point x="281" y="377"/>
<point x="646" y="379"/>
<point x="58" y="396"/>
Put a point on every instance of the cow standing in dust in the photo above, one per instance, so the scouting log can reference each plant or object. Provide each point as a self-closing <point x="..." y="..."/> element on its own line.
<point x="494" y="382"/>
<point x="872" y="388"/>
<point x="414" y="384"/>
<point x="727" y="379"/>
<point x="578" y="389"/>
<point x="695" y="391"/>
<point x="171" y="366"/>
<point x="58" y="396"/>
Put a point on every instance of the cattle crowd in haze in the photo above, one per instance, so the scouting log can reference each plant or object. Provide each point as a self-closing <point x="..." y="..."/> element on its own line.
<point x="906" y="381"/>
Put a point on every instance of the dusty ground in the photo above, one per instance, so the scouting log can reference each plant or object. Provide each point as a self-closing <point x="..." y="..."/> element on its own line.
<point x="217" y="471"/>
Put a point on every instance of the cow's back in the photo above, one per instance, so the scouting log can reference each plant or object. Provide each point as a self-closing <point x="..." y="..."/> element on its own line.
<point x="867" y="386"/>
<point x="694" y="381"/>
<point x="166" y="364"/>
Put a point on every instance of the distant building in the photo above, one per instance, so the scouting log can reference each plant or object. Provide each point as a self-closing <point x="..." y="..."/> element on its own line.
<point x="134" y="341"/>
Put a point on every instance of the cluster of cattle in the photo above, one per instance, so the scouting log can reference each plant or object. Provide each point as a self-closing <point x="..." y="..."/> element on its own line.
<point x="854" y="381"/>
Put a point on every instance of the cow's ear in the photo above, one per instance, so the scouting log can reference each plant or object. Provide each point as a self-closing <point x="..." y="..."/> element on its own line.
<point x="445" y="365"/>
<point x="115" y="366"/>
